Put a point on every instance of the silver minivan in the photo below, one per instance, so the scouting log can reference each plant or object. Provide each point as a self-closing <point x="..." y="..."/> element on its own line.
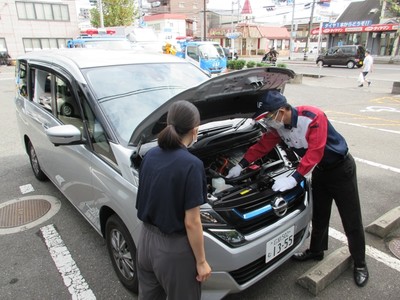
<point x="117" y="104"/>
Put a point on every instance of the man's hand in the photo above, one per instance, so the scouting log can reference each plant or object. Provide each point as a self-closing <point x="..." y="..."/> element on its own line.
<point x="285" y="183"/>
<point x="234" y="172"/>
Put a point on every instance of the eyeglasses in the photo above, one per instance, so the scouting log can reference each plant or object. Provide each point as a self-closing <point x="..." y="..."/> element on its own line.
<point x="267" y="116"/>
<point x="271" y="115"/>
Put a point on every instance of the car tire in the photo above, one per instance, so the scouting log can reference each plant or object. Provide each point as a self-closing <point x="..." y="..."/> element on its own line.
<point x="350" y="64"/>
<point x="320" y="63"/>
<point x="66" y="110"/>
<point x="122" y="251"/>
<point x="37" y="171"/>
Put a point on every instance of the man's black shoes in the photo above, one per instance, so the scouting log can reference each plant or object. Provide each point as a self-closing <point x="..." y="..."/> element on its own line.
<point x="361" y="276"/>
<point x="361" y="85"/>
<point x="307" y="255"/>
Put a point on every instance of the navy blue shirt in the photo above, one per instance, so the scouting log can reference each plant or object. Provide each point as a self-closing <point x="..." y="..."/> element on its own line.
<point x="170" y="182"/>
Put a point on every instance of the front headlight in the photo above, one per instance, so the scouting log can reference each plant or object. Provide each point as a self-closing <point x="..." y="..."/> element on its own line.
<point x="208" y="218"/>
<point x="214" y="224"/>
<point x="230" y="236"/>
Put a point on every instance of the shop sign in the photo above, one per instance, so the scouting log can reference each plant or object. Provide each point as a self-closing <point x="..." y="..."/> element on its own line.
<point x="347" y="24"/>
<point x="371" y="28"/>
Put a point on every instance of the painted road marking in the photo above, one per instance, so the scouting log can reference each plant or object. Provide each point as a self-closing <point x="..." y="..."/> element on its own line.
<point x="27" y="188"/>
<point x="76" y="284"/>
<point x="378" y="255"/>
<point x="374" y="164"/>
<point x="380" y="108"/>
<point x="368" y="127"/>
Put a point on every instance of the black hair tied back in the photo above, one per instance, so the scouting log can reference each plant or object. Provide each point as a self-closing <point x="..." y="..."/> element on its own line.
<point x="182" y="117"/>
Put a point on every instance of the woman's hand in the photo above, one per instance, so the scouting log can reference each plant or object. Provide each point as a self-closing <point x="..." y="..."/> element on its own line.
<point x="203" y="271"/>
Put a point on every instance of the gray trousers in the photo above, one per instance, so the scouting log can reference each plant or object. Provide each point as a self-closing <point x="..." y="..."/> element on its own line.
<point x="166" y="266"/>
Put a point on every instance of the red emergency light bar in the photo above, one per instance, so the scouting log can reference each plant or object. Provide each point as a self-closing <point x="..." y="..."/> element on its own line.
<point x="94" y="31"/>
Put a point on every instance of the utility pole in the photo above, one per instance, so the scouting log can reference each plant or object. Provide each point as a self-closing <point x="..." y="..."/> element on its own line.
<point x="309" y="30"/>
<point x="205" y="20"/>
<point x="291" y="33"/>
<point x="101" y="14"/>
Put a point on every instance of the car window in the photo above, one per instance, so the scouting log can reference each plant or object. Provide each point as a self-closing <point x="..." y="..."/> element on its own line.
<point x="193" y="52"/>
<point x="332" y="50"/>
<point x="22" y="79"/>
<point x="53" y="93"/>
<point x="97" y="135"/>
<point x="339" y="51"/>
<point x="41" y="88"/>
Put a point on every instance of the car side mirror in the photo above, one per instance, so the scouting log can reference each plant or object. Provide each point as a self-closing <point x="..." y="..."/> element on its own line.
<point x="64" y="135"/>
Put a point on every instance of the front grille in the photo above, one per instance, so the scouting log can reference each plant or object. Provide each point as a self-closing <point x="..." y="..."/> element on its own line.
<point x="235" y="216"/>
<point x="246" y="273"/>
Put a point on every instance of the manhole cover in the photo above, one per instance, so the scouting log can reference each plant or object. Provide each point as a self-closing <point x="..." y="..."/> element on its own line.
<point x="23" y="212"/>
<point x="394" y="246"/>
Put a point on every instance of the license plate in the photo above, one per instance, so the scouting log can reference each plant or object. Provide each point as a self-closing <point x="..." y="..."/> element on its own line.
<point x="279" y="244"/>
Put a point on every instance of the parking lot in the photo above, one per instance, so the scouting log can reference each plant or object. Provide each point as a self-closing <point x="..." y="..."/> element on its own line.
<point x="367" y="117"/>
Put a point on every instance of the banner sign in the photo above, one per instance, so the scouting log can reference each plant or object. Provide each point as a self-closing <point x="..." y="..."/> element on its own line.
<point x="371" y="28"/>
<point x="346" y="24"/>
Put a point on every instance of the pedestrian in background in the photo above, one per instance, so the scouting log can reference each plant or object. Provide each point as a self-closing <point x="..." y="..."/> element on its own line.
<point x="324" y="154"/>
<point x="368" y="64"/>
<point x="172" y="187"/>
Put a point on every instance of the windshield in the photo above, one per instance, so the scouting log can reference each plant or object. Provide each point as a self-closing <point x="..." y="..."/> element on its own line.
<point x="128" y="94"/>
<point x="210" y="51"/>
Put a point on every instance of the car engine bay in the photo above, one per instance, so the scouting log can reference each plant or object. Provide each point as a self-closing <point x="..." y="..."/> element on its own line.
<point x="221" y="152"/>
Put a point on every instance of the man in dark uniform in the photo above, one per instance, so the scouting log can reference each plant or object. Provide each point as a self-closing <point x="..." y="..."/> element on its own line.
<point x="324" y="154"/>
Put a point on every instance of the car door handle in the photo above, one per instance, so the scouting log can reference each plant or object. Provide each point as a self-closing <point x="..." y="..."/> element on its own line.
<point x="45" y="126"/>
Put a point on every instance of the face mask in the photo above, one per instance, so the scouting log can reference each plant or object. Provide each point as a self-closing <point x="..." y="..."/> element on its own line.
<point x="274" y="123"/>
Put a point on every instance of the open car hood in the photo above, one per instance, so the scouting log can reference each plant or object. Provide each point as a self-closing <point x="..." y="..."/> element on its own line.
<point x="231" y="95"/>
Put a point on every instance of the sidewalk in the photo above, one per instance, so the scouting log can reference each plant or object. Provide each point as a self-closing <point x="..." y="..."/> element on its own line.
<point x="311" y="58"/>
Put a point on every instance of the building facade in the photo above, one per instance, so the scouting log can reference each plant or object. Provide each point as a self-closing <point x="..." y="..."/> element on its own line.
<point x="194" y="11"/>
<point x="34" y="25"/>
<point x="366" y="23"/>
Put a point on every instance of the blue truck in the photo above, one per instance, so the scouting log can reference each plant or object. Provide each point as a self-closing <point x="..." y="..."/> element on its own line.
<point x="209" y="56"/>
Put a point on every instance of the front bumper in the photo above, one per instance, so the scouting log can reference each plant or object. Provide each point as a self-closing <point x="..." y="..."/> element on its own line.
<point x="236" y="269"/>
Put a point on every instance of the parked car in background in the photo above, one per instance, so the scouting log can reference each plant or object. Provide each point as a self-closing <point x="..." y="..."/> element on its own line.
<point x="348" y="55"/>
<point x="93" y="154"/>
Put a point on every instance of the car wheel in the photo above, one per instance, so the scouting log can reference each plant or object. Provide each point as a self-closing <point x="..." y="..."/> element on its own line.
<point x="122" y="251"/>
<point x="320" y="63"/>
<point x="66" y="110"/>
<point x="350" y="64"/>
<point x="37" y="171"/>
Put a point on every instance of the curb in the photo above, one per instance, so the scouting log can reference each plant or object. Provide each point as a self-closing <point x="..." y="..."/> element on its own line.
<point x="319" y="277"/>
<point x="383" y="225"/>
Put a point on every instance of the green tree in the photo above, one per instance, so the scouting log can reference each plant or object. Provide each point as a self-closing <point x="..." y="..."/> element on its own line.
<point x="115" y="13"/>
<point x="392" y="10"/>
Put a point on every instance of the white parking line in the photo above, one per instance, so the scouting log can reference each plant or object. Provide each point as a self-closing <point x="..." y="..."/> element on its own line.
<point x="27" y="188"/>
<point x="374" y="164"/>
<point x="67" y="267"/>
<point x="380" y="256"/>
<point x="363" y="126"/>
